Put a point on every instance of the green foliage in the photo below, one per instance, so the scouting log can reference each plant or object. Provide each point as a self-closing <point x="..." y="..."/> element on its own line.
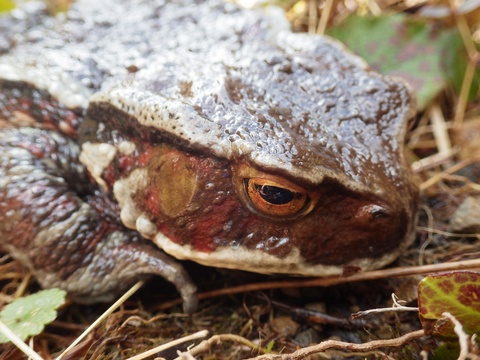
<point x="398" y="46"/>
<point x="455" y="64"/>
<point x="446" y="351"/>
<point x="455" y="292"/>
<point x="270" y="345"/>
<point x="27" y="316"/>
<point x="6" y="5"/>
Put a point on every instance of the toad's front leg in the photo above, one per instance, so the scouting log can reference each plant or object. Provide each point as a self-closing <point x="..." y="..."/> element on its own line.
<point x="54" y="222"/>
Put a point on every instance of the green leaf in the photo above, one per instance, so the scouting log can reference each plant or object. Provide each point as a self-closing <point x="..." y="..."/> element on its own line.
<point x="398" y="46"/>
<point x="27" y="316"/>
<point x="269" y="347"/>
<point x="6" y="5"/>
<point x="455" y="65"/>
<point x="456" y="292"/>
<point x="446" y="351"/>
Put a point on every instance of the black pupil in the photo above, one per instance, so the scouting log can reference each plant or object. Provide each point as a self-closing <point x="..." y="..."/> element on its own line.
<point x="275" y="195"/>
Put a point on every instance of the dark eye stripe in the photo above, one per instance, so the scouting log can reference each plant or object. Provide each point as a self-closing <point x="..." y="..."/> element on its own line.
<point x="275" y="195"/>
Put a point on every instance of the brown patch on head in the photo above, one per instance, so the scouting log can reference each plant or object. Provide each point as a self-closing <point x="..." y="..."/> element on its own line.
<point x="175" y="182"/>
<point x="348" y="227"/>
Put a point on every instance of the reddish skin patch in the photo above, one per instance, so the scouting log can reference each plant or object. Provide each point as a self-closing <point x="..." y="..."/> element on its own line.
<point x="70" y="124"/>
<point x="34" y="149"/>
<point x="145" y="156"/>
<point x="98" y="236"/>
<point x="152" y="204"/>
<point x="126" y="163"/>
<point x="24" y="103"/>
<point x="203" y="237"/>
<point x="24" y="227"/>
<point x="195" y="226"/>
<point x="166" y="230"/>
<point x="44" y="110"/>
<point x="110" y="175"/>
<point x="120" y="166"/>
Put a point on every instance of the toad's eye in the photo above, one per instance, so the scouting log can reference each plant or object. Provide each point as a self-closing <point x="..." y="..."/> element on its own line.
<point x="273" y="199"/>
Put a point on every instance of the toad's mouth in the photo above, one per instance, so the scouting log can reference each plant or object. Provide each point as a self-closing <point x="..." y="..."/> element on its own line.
<point x="258" y="261"/>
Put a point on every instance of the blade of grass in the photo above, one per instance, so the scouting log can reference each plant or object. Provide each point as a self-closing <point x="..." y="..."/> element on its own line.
<point x="110" y="310"/>
<point x="18" y="342"/>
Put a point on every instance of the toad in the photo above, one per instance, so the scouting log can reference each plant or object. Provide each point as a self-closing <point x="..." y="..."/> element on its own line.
<point x="136" y="133"/>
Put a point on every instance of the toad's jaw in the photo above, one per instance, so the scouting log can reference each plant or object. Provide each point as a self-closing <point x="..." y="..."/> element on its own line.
<point x="258" y="261"/>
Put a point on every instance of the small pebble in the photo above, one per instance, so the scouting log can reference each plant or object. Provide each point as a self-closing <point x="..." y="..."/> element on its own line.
<point x="466" y="218"/>
<point x="308" y="337"/>
<point x="284" y="326"/>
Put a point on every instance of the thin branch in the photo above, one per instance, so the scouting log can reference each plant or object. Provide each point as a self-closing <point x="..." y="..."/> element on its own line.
<point x="433" y="160"/>
<point x="197" y="335"/>
<point x="206" y="345"/>
<point x="436" y="178"/>
<point x="335" y="280"/>
<point x="334" y="344"/>
<point x="397" y="307"/>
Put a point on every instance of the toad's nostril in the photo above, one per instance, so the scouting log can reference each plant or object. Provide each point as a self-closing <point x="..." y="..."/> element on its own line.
<point x="378" y="212"/>
<point x="372" y="212"/>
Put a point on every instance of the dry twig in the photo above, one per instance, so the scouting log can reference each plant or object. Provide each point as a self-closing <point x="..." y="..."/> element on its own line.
<point x="144" y="355"/>
<point x="397" y="307"/>
<point x="335" y="280"/>
<point x="464" y="340"/>
<point x="334" y="344"/>
<point x="206" y="345"/>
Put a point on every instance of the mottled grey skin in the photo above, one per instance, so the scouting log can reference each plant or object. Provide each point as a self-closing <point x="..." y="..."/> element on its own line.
<point x="218" y="90"/>
<point x="49" y="222"/>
